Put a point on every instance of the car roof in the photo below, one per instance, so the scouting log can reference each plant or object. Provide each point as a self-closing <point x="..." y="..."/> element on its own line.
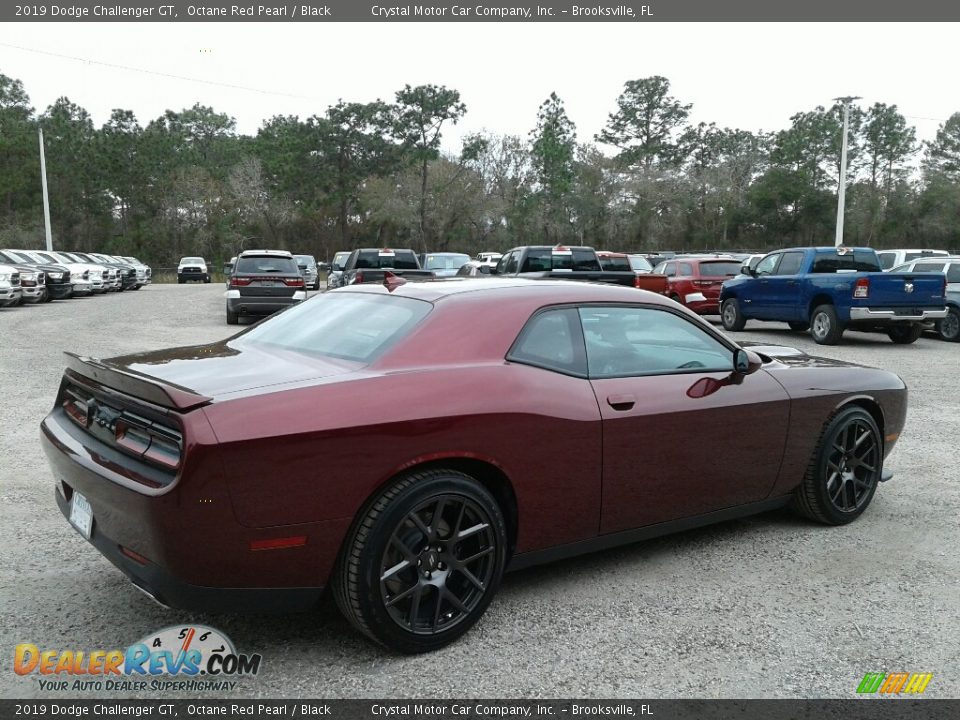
<point x="268" y="253"/>
<point x="495" y="289"/>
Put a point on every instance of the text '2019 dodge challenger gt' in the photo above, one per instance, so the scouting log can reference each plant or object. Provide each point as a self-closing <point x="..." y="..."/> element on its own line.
<point x="478" y="425"/>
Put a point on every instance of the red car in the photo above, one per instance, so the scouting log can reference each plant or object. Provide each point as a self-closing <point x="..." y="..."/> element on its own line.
<point x="695" y="282"/>
<point x="404" y="446"/>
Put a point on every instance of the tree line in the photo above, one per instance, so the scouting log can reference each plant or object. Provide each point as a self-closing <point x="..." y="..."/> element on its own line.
<point x="374" y="174"/>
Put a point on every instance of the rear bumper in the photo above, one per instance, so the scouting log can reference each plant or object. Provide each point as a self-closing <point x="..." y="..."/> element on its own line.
<point x="192" y="552"/>
<point x="701" y="304"/>
<point x="861" y="314"/>
<point x="252" y="305"/>
<point x="171" y="592"/>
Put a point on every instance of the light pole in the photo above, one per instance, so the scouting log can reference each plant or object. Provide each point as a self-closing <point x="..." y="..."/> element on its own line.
<point x="841" y="194"/>
<point x="46" y="198"/>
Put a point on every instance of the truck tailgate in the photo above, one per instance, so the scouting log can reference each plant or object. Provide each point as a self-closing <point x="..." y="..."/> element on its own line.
<point x="904" y="290"/>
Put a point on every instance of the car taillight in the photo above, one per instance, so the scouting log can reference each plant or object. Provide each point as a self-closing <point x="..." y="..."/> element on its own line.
<point x="636" y="282"/>
<point x="294" y="282"/>
<point x="862" y="288"/>
<point x="158" y="445"/>
<point x="239" y="282"/>
<point x="358" y="278"/>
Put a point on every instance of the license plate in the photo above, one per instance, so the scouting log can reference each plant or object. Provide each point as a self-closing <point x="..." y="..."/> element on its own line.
<point x="268" y="283"/>
<point x="907" y="311"/>
<point x="81" y="515"/>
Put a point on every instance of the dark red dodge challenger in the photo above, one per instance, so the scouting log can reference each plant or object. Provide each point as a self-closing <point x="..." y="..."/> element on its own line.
<point x="405" y="445"/>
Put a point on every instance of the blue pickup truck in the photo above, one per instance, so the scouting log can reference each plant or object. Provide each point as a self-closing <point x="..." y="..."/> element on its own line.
<point x="831" y="289"/>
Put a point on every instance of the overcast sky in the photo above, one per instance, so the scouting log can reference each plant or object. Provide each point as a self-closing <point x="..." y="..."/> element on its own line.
<point x="751" y="76"/>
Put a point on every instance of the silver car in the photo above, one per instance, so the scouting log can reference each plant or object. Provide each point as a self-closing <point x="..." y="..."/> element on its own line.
<point x="335" y="274"/>
<point x="308" y="266"/>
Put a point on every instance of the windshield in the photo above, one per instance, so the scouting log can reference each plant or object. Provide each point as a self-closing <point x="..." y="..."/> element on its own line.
<point x="446" y="262"/>
<point x="339" y="260"/>
<point x="348" y="326"/>
<point x="192" y="261"/>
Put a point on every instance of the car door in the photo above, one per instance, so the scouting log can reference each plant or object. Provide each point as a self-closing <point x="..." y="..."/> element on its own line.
<point x="669" y="450"/>
<point x="757" y="302"/>
<point x="781" y="288"/>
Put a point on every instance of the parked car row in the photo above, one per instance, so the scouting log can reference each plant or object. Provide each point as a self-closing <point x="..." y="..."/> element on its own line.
<point x="34" y="276"/>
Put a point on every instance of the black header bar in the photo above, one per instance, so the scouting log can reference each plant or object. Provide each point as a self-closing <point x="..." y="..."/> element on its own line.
<point x="467" y="11"/>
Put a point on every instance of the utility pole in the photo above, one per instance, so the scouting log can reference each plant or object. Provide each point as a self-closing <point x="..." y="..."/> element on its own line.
<point x="841" y="193"/>
<point x="46" y="198"/>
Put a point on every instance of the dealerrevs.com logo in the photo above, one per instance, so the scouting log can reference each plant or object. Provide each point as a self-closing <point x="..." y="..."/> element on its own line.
<point x="191" y="658"/>
<point x="894" y="683"/>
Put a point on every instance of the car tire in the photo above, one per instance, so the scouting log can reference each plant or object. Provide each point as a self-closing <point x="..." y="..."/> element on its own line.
<point x="905" y="335"/>
<point x="845" y="469"/>
<point x="824" y="326"/>
<point x="232" y="317"/>
<point x="408" y="577"/>
<point x="799" y="326"/>
<point x="949" y="328"/>
<point x="731" y="316"/>
<point x="180" y="281"/>
<point x="206" y="279"/>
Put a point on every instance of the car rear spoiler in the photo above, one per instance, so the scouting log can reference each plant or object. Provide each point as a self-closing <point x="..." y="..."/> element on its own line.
<point x="141" y="386"/>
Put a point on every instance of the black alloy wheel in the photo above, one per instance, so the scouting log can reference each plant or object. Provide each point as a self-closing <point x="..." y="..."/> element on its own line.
<point x="845" y="470"/>
<point x="423" y="561"/>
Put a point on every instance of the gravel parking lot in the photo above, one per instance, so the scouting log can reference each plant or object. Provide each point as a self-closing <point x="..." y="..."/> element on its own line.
<point x="771" y="606"/>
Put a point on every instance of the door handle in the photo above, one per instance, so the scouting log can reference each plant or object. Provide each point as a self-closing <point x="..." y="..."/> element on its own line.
<point x="621" y="402"/>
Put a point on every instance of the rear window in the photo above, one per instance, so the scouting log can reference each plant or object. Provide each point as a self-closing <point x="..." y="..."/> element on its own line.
<point x="265" y="264"/>
<point x="547" y="259"/>
<point x="719" y="269"/>
<point x="348" y="326"/>
<point x="446" y="262"/>
<point x="305" y="260"/>
<point x="398" y="260"/>
<point x="856" y="261"/>
<point x="907" y="257"/>
<point x="615" y="263"/>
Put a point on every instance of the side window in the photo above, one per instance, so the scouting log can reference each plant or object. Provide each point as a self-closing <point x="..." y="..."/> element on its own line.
<point x="953" y="273"/>
<point x="508" y="263"/>
<point x="627" y="341"/>
<point x="670" y="269"/>
<point x="685" y="270"/>
<point x="551" y="340"/>
<point x="887" y="259"/>
<point x="767" y="265"/>
<point x="928" y="267"/>
<point x="790" y="263"/>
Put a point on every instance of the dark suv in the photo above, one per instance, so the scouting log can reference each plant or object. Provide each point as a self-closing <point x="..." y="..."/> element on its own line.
<point x="262" y="282"/>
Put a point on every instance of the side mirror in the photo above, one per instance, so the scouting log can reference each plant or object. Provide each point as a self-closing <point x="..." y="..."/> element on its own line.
<point x="752" y="272"/>
<point x="746" y="362"/>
